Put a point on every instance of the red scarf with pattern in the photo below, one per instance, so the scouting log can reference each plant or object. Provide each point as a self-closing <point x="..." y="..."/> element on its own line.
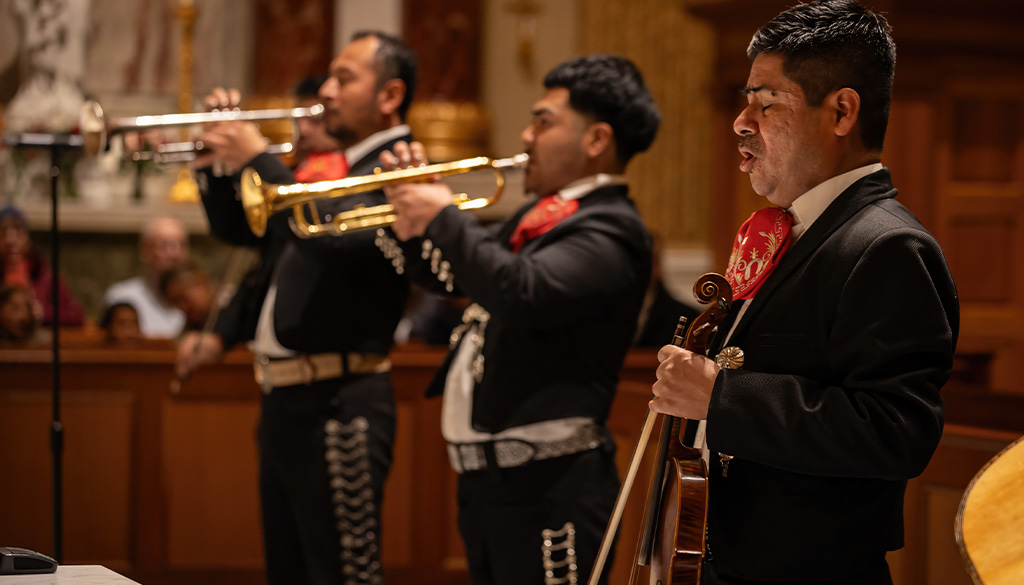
<point x="757" y="250"/>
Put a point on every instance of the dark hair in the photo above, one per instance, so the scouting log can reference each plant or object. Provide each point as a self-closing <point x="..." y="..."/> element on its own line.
<point x="6" y="292"/>
<point x="108" y="313"/>
<point x="612" y="90"/>
<point x="177" y="273"/>
<point x="310" y="86"/>
<point x="393" y="60"/>
<point x="14" y="214"/>
<point x="831" y="44"/>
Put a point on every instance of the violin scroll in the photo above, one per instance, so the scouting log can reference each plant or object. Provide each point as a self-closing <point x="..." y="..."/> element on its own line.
<point x="713" y="290"/>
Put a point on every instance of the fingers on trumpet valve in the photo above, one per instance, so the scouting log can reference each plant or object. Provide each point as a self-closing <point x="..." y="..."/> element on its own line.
<point x="404" y="156"/>
<point x="222" y="99"/>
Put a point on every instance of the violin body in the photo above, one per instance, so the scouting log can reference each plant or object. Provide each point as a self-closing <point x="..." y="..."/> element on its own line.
<point x="679" y="550"/>
<point x="676" y="513"/>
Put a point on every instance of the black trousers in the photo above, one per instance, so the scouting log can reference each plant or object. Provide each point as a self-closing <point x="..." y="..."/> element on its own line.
<point x="503" y="515"/>
<point x="325" y="451"/>
<point x="874" y="573"/>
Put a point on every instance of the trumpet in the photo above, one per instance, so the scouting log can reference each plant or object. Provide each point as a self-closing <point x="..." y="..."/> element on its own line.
<point x="261" y="200"/>
<point x="96" y="128"/>
<point x="179" y="152"/>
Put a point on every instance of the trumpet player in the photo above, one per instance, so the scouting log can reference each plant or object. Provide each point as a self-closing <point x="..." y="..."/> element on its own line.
<point x="556" y="293"/>
<point x="320" y="315"/>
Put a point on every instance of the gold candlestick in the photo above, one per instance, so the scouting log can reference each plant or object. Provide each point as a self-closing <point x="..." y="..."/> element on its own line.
<point x="185" y="188"/>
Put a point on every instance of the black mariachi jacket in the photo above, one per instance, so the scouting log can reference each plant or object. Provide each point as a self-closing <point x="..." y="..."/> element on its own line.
<point x="334" y="293"/>
<point x="847" y="345"/>
<point x="563" y="310"/>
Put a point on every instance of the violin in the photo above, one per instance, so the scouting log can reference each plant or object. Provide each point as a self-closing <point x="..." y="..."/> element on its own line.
<point x="675" y="517"/>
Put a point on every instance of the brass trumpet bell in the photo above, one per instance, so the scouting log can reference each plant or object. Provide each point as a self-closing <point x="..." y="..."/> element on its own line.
<point x="260" y="200"/>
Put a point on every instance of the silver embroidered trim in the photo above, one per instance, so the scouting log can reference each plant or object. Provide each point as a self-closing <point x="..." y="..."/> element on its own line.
<point x="474" y="319"/>
<point x="391" y="250"/>
<point x="514" y="452"/>
<point x="435" y="260"/>
<point x="348" y="467"/>
<point x="559" y="555"/>
<point x="441" y="268"/>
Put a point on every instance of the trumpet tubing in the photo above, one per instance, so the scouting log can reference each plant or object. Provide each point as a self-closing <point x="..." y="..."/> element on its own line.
<point x="178" y="152"/>
<point x="261" y="200"/>
<point x="96" y="128"/>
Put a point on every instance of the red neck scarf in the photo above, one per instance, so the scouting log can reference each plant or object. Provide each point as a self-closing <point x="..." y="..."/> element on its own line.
<point x="759" y="245"/>
<point x="548" y="213"/>
<point x="322" y="166"/>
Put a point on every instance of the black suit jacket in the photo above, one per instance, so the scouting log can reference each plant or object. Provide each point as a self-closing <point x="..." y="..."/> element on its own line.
<point x="334" y="293"/>
<point x="563" y="309"/>
<point x="847" y="345"/>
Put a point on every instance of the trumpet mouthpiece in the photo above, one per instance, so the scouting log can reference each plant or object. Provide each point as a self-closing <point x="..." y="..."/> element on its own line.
<point x="512" y="162"/>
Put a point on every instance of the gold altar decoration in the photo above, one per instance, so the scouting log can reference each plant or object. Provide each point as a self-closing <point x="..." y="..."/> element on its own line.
<point x="450" y="130"/>
<point x="185" y="188"/>
<point x="671" y="183"/>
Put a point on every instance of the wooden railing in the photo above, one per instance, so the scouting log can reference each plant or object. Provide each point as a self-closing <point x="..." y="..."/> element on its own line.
<point x="161" y="486"/>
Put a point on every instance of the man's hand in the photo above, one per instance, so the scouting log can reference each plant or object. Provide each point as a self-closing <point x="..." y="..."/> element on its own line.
<point x="232" y="144"/>
<point x="228" y="144"/>
<point x="684" y="385"/>
<point x="416" y="204"/>
<point x="197" y="349"/>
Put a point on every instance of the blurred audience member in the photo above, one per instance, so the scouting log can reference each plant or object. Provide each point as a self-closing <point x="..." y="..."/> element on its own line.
<point x="163" y="244"/>
<point x="24" y="267"/>
<point x="661" y="311"/>
<point x="187" y="288"/>
<point x="18" y="321"/>
<point x="120" y="323"/>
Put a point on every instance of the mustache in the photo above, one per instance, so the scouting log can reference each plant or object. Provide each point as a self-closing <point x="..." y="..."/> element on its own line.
<point x="750" y="143"/>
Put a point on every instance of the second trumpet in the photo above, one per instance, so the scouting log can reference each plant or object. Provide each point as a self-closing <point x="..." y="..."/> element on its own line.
<point x="261" y="200"/>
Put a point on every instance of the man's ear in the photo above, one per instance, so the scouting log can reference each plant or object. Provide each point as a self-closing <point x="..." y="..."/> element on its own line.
<point x="390" y="97"/>
<point x="846" y="105"/>
<point x="598" y="138"/>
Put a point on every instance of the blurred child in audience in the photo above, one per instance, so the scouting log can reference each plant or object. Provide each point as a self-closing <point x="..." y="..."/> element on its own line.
<point x="120" y="323"/>
<point x="18" y="322"/>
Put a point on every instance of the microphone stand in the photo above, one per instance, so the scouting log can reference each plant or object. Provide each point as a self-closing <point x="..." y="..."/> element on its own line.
<point x="56" y="144"/>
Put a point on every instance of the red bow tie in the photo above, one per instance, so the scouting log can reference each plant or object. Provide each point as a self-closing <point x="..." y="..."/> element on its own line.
<point x="548" y="212"/>
<point x="757" y="250"/>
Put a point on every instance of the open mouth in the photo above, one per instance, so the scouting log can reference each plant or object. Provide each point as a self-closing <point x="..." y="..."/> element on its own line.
<point x="748" y="161"/>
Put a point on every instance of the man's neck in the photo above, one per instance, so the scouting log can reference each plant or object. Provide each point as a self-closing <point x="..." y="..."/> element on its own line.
<point x="853" y="160"/>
